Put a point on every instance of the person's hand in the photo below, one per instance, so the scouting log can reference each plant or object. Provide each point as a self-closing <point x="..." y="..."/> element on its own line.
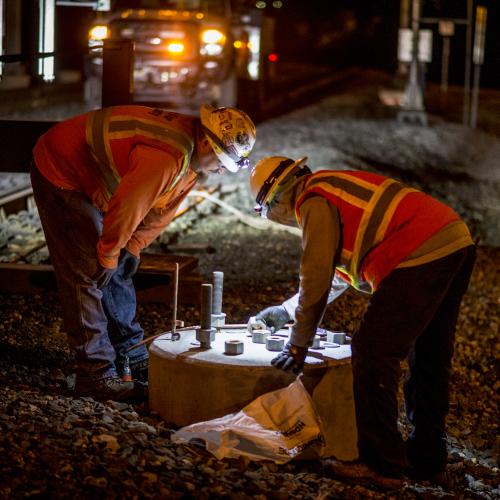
<point x="274" y="317"/>
<point x="130" y="264"/>
<point x="103" y="276"/>
<point x="291" y="358"/>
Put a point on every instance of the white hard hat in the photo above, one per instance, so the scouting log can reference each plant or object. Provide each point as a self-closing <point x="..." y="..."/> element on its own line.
<point x="231" y="133"/>
<point x="273" y="175"/>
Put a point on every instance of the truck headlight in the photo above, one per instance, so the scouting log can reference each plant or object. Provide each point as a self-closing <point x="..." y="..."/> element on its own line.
<point x="212" y="49"/>
<point x="212" y="42"/>
<point x="213" y="36"/>
<point x="98" y="32"/>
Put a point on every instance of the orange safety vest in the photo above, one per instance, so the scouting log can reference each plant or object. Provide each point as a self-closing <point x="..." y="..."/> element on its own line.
<point x="382" y="221"/>
<point x="112" y="132"/>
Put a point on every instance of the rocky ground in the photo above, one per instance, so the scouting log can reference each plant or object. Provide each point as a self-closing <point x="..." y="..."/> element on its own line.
<point x="58" y="446"/>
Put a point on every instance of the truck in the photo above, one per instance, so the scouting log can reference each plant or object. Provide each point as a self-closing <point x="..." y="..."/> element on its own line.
<point x="185" y="52"/>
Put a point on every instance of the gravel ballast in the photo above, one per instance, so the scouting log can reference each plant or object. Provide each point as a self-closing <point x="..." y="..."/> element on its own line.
<point x="58" y="446"/>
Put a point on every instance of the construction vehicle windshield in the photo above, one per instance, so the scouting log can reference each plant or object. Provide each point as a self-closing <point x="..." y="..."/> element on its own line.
<point x="217" y="7"/>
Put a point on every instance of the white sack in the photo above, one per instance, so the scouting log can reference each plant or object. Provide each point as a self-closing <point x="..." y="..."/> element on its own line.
<point x="277" y="426"/>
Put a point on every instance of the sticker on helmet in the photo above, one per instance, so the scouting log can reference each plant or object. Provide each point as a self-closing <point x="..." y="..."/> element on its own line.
<point x="242" y="139"/>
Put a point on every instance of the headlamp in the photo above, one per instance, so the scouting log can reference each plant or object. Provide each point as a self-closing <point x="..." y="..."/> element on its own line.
<point x="243" y="163"/>
<point x="261" y="210"/>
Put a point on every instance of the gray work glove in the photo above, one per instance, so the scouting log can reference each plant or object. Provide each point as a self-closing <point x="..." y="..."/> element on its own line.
<point x="103" y="276"/>
<point x="275" y="317"/>
<point x="130" y="263"/>
<point x="291" y="358"/>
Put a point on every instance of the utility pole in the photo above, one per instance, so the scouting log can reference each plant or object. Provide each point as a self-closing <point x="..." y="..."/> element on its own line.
<point x="404" y="23"/>
<point x="468" y="47"/>
<point x="413" y="106"/>
<point x="478" y="57"/>
<point x="446" y="30"/>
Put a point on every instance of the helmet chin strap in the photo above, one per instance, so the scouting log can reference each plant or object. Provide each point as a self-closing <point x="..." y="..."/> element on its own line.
<point x="228" y="150"/>
<point x="291" y="180"/>
<point x="282" y="209"/>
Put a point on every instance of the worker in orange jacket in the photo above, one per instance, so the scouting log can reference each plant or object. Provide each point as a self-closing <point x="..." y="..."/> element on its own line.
<point x="106" y="184"/>
<point x="414" y="256"/>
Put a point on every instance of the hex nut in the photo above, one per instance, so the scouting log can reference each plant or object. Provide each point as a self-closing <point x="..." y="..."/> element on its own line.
<point x="233" y="347"/>
<point x="336" y="337"/>
<point x="218" y="319"/>
<point x="275" y="343"/>
<point x="204" y="336"/>
<point x="259" y="336"/>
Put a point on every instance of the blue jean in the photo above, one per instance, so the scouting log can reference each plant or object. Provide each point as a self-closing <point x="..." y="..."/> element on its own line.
<point x="100" y="324"/>
<point x="412" y="315"/>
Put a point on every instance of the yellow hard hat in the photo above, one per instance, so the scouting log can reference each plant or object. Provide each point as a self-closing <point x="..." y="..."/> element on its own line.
<point x="272" y="175"/>
<point x="231" y="133"/>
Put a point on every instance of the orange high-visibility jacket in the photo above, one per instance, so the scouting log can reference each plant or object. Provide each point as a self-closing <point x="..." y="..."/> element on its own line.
<point x="383" y="223"/>
<point x="131" y="161"/>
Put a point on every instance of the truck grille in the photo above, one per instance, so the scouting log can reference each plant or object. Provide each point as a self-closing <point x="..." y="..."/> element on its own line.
<point x="153" y="37"/>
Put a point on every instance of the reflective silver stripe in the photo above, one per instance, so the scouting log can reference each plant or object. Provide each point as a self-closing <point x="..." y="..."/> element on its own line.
<point x="376" y="217"/>
<point x="350" y="187"/>
<point x="103" y="128"/>
<point x="120" y="128"/>
<point x="97" y="139"/>
<point x="376" y="205"/>
<point x="123" y="127"/>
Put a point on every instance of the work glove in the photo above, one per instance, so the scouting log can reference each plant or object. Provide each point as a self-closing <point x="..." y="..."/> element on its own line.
<point x="274" y="317"/>
<point x="103" y="276"/>
<point x="291" y="358"/>
<point x="130" y="264"/>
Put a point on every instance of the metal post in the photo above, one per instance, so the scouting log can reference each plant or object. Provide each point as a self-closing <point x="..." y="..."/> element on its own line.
<point x="468" y="46"/>
<point x="404" y="17"/>
<point x="217" y="299"/>
<point x="46" y="38"/>
<point x="478" y="59"/>
<point x="413" y="108"/>
<point x="206" y="306"/>
<point x="445" y="60"/>
<point x="2" y="34"/>
<point x="404" y="14"/>
<point x="475" y="95"/>
<point x="205" y="333"/>
<point x="117" y="72"/>
<point x="415" y="100"/>
<point x="218" y="317"/>
<point x="446" y="30"/>
<point x="175" y="335"/>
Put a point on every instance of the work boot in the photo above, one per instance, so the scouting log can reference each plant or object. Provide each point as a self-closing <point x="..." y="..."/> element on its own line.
<point x="113" y="388"/>
<point x="358" y="473"/>
<point x="428" y="461"/>
<point x="440" y="478"/>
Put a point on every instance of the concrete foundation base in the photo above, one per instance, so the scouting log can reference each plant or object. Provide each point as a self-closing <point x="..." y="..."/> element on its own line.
<point x="188" y="384"/>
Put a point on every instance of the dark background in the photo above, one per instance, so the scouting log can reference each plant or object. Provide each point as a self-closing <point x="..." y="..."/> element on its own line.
<point x="360" y="32"/>
<point x="338" y="33"/>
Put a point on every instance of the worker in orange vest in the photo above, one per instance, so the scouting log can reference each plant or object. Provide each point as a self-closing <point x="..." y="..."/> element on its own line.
<point x="414" y="256"/>
<point x="106" y="184"/>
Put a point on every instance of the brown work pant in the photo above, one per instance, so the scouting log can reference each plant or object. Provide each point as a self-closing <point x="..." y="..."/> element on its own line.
<point x="413" y="314"/>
